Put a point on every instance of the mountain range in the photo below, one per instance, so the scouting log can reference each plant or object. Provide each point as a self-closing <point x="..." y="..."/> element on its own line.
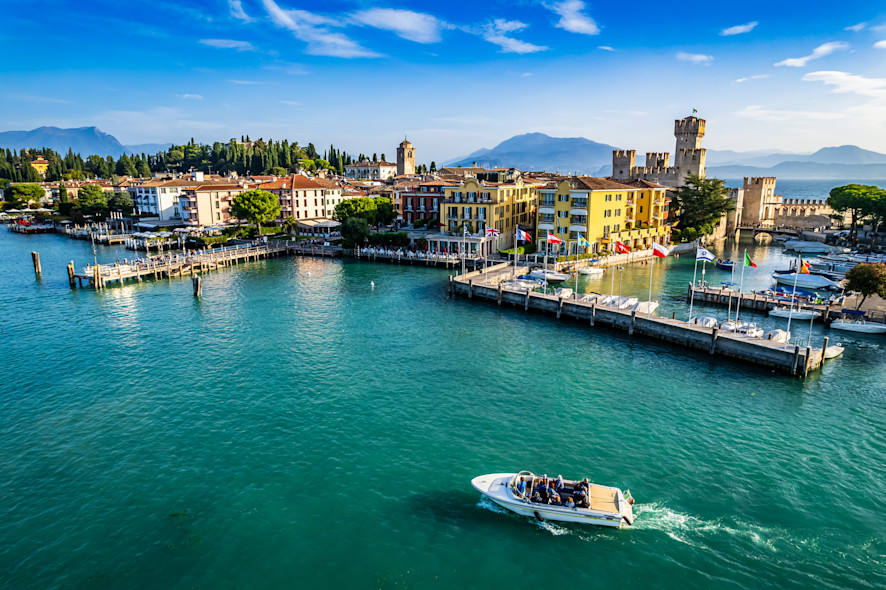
<point x="537" y="151"/>
<point x="83" y="140"/>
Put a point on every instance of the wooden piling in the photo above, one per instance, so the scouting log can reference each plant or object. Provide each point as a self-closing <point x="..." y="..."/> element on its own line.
<point x="499" y="293"/>
<point x="71" y="273"/>
<point x="714" y="333"/>
<point x="470" y="288"/>
<point x="197" y="282"/>
<point x="796" y="359"/>
<point x="560" y="308"/>
<point x="633" y="321"/>
<point x="824" y="349"/>
<point x="593" y="312"/>
<point x="35" y="258"/>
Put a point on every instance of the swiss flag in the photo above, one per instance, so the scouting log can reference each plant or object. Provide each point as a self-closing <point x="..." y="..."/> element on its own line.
<point x="659" y="250"/>
<point x="552" y="239"/>
<point x="622" y="248"/>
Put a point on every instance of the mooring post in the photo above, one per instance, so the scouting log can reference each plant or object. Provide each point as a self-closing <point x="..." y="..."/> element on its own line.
<point x="807" y="359"/>
<point x="560" y="307"/>
<point x="71" y="274"/>
<point x="633" y="321"/>
<point x="593" y="312"/>
<point x="714" y="334"/>
<point x="526" y="302"/>
<point x="35" y="257"/>
<point x="197" y="282"/>
<point x="824" y="349"/>
<point x="499" y="293"/>
<point x="470" y="285"/>
<point x="796" y="359"/>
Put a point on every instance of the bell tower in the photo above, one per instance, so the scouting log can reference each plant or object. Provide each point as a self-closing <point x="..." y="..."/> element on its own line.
<point x="405" y="158"/>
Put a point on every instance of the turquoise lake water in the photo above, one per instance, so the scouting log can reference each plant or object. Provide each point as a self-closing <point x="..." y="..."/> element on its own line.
<point x="296" y="428"/>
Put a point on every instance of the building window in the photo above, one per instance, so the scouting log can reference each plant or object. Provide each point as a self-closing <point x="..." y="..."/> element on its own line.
<point x="217" y="216"/>
<point x="605" y="231"/>
<point x="618" y="212"/>
<point x="607" y="213"/>
<point x="618" y="197"/>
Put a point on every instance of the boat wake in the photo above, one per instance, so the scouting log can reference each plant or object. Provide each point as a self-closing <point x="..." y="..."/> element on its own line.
<point x="554" y="529"/>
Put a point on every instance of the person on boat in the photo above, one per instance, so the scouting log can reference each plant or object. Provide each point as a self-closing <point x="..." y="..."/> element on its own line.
<point x="584" y="485"/>
<point x="581" y="498"/>
<point x="553" y="496"/>
<point x="541" y="492"/>
<point x="521" y="487"/>
<point x="559" y="484"/>
<point x="570" y="503"/>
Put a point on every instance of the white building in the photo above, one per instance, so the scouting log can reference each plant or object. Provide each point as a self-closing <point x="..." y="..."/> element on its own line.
<point x="160" y="197"/>
<point x="375" y="170"/>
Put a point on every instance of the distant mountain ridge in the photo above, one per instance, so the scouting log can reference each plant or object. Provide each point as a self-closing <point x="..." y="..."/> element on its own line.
<point x="83" y="140"/>
<point x="537" y="151"/>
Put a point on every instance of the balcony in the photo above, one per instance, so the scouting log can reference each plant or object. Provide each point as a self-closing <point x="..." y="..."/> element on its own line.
<point x="579" y="219"/>
<point x="580" y="203"/>
<point x="546" y="211"/>
<point x="579" y="211"/>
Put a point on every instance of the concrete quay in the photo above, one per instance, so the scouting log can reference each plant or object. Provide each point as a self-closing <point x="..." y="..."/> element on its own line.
<point x="789" y="359"/>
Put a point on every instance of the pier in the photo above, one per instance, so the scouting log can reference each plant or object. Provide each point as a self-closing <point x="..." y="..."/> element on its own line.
<point x="763" y="303"/>
<point x="791" y="359"/>
<point x="190" y="263"/>
<point x="422" y="258"/>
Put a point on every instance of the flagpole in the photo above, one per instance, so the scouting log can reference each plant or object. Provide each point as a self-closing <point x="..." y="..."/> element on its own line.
<point x="741" y="284"/>
<point x="464" y="230"/>
<point x="731" y="284"/>
<point x="692" y="293"/>
<point x="793" y="295"/>
<point x="651" y="266"/>
<point x="516" y="229"/>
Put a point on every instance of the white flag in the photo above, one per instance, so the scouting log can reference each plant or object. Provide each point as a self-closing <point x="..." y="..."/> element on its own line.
<point x="703" y="254"/>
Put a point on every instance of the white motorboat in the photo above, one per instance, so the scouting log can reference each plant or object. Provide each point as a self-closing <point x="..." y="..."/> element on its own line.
<point x="563" y="293"/>
<point x="805" y="281"/>
<point x="591" y="270"/>
<point x="609" y="506"/>
<point x="858" y="325"/>
<point x="797" y="314"/>
<point x="620" y="302"/>
<point x="810" y="247"/>
<point x="707" y="322"/>
<point x="833" y="352"/>
<point x="779" y="336"/>
<point x="646" y="307"/>
<point x="743" y="328"/>
<point x="520" y="284"/>
<point x="550" y="276"/>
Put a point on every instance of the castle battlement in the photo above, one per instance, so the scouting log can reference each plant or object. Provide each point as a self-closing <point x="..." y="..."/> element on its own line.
<point x="689" y="125"/>
<point x="658" y="159"/>
<point x="689" y="157"/>
<point x="624" y="153"/>
<point x="765" y="180"/>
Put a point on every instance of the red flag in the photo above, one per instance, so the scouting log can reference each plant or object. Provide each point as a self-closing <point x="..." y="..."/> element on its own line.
<point x="552" y="239"/>
<point x="804" y="267"/>
<point x="659" y="250"/>
<point x="621" y="248"/>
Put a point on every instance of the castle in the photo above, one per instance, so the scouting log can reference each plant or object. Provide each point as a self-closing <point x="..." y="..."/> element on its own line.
<point x="689" y="158"/>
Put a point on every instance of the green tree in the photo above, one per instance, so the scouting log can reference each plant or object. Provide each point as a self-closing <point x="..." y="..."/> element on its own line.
<point x="120" y="201"/>
<point x="21" y="195"/>
<point x="384" y="211"/>
<point x="433" y="166"/>
<point x="289" y="224"/>
<point x="257" y="206"/>
<point x="278" y="171"/>
<point x="91" y="199"/>
<point x="858" y="199"/>
<point x="867" y="279"/>
<point x="355" y="229"/>
<point x="360" y="207"/>
<point x="62" y="193"/>
<point x="144" y="171"/>
<point x="701" y="202"/>
<point x="125" y="167"/>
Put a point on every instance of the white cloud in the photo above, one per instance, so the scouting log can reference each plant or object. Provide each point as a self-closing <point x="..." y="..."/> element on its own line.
<point x="228" y="44"/>
<point x="846" y="83"/>
<point x="497" y="31"/>
<point x="412" y="26"/>
<point x="820" y="51"/>
<point x="572" y="18"/>
<point x="236" y="8"/>
<point x="759" y="113"/>
<point x="757" y="77"/>
<point x="856" y="28"/>
<point x="880" y="44"/>
<point x="606" y="48"/>
<point x="739" y="29"/>
<point x="696" y="58"/>
<point x="525" y="74"/>
<point x="190" y="96"/>
<point x="312" y="29"/>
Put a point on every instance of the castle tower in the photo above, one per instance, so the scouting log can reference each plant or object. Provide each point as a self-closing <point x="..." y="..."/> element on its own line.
<point x="689" y="157"/>
<point x="622" y="163"/>
<point x="760" y="200"/>
<point x="405" y="158"/>
<point x="657" y="159"/>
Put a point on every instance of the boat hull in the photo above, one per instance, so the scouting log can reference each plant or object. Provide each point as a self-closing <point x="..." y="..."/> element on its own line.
<point x="858" y="327"/>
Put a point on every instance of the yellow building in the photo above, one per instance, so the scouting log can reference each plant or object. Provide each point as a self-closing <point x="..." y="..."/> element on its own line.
<point x="491" y="200"/>
<point x="600" y="211"/>
<point x="40" y="165"/>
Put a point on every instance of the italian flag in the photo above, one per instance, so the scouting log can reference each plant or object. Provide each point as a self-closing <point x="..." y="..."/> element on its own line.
<point x="748" y="261"/>
<point x="659" y="250"/>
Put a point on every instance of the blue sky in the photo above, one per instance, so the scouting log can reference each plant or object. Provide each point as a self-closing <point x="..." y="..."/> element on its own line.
<point x="452" y="76"/>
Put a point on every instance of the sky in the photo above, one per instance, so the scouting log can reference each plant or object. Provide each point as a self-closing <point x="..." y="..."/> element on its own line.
<point x="452" y="76"/>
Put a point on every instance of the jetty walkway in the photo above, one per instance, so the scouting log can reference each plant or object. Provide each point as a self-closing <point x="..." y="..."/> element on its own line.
<point x="791" y="359"/>
<point x="189" y="263"/>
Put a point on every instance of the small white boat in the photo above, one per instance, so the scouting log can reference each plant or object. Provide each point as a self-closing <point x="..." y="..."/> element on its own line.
<point x="520" y="284"/>
<point x="858" y="325"/>
<point x="550" y="276"/>
<point x="797" y="314"/>
<point x="707" y="322"/>
<point x="833" y="352"/>
<point x="810" y="247"/>
<point x="590" y="270"/>
<point x="744" y="328"/>
<point x="646" y="307"/>
<point x="563" y="293"/>
<point x="623" y="302"/>
<point x="806" y="281"/>
<point x="779" y="336"/>
<point x="609" y="506"/>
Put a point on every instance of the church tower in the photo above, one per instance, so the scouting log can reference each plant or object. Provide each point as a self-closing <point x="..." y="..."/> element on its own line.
<point x="405" y="158"/>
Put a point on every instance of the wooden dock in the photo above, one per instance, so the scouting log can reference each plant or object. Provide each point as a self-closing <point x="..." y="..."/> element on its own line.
<point x="433" y="259"/>
<point x="31" y="229"/>
<point x="763" y="303"/>
<point x="190" y="263"/>
<point x="791" y="359"/>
